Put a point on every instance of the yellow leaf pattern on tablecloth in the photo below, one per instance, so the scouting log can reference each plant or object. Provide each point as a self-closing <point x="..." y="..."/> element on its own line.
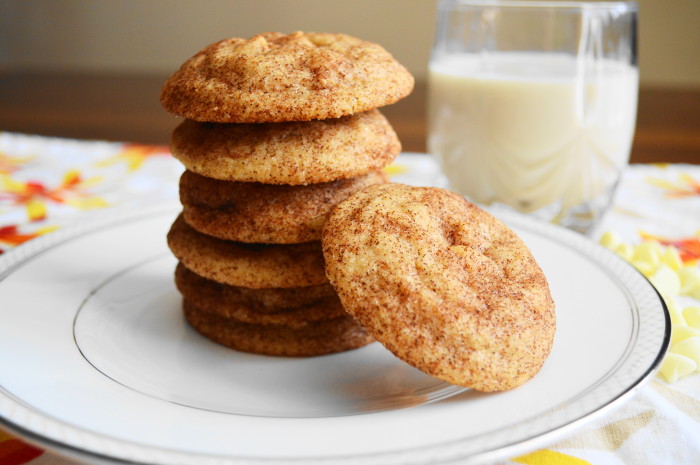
<point x="73" y="190"/>
<point x="89" y="203"/>
<point x="10" y="185"/>
<point x="134" y="155"/>
<point x="685" y="186"/>
<point x="36" y="210"/>
<point x="549" y="457"/>
<point x="395" y="169"/>
<point x="10" y="164"/>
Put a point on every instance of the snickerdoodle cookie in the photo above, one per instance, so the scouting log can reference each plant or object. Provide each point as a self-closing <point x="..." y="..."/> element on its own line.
<point x="273" y="77"/>
<point x="314" y="338"/>
<point x="248" y="265"/>
<point x="442" y="284"/>
<point x="264" y="213"/>
<point x="301" y="306"/>
<point x="287" y="153"/>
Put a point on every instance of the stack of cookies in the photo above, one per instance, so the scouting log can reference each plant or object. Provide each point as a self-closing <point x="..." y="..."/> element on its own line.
<point x="278" y="130"/>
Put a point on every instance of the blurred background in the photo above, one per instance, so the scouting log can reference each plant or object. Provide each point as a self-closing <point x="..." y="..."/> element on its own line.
<point x="93" y="69"/>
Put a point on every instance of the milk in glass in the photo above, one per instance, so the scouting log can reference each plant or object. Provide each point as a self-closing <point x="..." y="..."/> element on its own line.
<point x="533" y="130"/>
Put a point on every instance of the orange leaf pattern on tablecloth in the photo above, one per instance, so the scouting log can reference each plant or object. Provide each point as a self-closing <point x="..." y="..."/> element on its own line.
<point x="134" y="155"/>
<point x="10" y="235"/>
<point x="688" y="247"/>
<point x="685" y="186"/>
<point x="34" y="195"/>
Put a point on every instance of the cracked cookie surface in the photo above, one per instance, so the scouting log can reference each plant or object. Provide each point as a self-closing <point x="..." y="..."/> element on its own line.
<point x="265" y="213"/>
<point x="442" y="284"/>
<point x="255" y="266"/>
<point x="294" y="307"/>
<point x="287" y="153"/>
<point x="274" y="77"/>
<point x="314" y="338"/>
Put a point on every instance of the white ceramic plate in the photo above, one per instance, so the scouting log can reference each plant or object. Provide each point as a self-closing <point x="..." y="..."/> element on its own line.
<point x="96" y="362"/>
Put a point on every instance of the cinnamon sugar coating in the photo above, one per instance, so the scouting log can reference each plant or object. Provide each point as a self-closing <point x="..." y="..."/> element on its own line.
<point x="315" y="338"/>
<point x="294" y="307"/>
<point x="264" y="213"/>
<point x="442" y="284"/>
<point x="248" y="265"/>
<point x="273" y="77"/>
<point x="287" y="153"/>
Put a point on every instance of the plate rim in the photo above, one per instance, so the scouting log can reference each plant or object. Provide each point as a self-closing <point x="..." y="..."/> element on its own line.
<point x="18" y="256"/>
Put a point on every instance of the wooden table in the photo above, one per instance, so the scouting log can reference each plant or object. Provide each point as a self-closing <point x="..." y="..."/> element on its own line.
<point x="126" y="108"/>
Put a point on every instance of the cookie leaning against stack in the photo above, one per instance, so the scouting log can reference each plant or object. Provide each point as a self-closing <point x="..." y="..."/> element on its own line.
<point x="442" y="284"/>
<point x="278" y="130"/>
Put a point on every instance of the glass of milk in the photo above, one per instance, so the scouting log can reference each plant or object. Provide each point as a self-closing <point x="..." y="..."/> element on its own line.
<point x="532" y="104"/>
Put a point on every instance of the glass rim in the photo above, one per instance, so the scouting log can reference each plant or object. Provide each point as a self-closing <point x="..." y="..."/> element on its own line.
<point x="554" y="4"/>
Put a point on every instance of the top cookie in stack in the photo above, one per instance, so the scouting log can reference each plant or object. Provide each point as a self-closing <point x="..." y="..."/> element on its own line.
<point x="278" y="129"/>
<point x="273" y="78"/>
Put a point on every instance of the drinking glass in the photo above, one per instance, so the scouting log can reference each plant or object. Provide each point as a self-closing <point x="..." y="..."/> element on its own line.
<point x="532" y="104"/>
